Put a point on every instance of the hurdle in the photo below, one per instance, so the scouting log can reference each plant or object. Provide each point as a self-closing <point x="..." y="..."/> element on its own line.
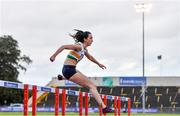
<point x="64" y="92"/>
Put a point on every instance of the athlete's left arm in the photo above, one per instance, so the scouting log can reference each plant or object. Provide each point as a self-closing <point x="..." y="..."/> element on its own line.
<point x="91" y="58"/>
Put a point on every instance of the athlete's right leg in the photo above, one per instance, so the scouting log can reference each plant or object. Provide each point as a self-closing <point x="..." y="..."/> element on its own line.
<point x="83" y="81"/>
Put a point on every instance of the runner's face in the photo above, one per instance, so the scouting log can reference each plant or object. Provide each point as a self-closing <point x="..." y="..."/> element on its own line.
<point x="89" y="39"/>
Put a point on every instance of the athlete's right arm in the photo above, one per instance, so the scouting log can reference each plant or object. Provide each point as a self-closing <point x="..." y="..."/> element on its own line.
<point x="68" y="47"/>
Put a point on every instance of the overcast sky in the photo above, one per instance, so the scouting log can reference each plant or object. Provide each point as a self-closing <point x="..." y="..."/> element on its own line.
<point x="41" y="26"/>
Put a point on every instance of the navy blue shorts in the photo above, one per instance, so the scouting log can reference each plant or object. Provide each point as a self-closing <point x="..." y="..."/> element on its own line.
<point x="68" y="71"/>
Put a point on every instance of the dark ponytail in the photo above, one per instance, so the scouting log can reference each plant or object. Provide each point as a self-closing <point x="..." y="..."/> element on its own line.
<point x="79" y="36"/>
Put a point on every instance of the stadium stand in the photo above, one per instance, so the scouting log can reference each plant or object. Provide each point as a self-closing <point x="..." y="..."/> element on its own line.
<point x="156" y="97"/>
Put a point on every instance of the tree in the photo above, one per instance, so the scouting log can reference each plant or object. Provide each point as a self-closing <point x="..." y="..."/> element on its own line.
<point x="11" y="62"/>
<point x="10" y="59"/>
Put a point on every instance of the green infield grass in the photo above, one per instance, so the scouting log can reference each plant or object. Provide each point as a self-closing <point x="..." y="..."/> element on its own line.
<point x="77" y="114"/>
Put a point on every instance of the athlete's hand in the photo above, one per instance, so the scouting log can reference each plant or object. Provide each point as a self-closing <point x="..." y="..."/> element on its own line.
<point x="52" y="58"/>
<point x="102" y="66"/>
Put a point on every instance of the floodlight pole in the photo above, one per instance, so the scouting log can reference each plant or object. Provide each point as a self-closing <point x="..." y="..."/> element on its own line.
<point x="142" y="8"/>
<point x="143" y="62"/>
